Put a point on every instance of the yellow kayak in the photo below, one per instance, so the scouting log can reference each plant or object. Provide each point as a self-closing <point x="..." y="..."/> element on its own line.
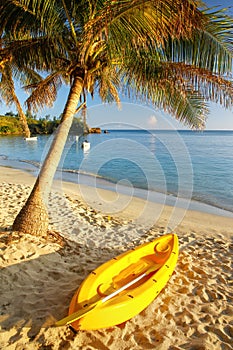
<point x="124" y="286"/>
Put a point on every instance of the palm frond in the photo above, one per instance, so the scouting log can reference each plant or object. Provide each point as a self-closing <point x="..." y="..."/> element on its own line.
<point x="168" y="52"/>
<point x="7" y="85"/>
<point x="173" y="86"/>
<point x="175" y="17"/>
<point x="29" y="16"/>
<point x="25" y="75"/>
<point x="141" y="23"/>
<point x="35" y="53"/>
<point x="43" y="93"/>
<point x="108" y="85"/>
<point x="210" y="49"/>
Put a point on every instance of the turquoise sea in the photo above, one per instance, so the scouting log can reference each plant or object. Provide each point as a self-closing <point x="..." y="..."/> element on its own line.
<point x="185" y="164"/>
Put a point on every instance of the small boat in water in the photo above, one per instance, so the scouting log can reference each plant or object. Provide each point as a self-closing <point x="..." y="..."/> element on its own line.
<point x="124" y="286"/>
<point x="33" y="138"/>
<point x="86" y="145"/>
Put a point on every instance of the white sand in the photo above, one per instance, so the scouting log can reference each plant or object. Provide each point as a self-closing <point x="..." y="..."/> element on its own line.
<point x="38" y="277"/>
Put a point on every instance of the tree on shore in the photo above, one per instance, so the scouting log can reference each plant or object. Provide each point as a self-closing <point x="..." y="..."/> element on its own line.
<point x="166" y="52"/>
<point x="12" y="68"/>
<point x="7" y="91"/>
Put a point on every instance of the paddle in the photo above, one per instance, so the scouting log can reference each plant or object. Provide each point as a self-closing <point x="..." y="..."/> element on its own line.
<point x="80" y="313"/>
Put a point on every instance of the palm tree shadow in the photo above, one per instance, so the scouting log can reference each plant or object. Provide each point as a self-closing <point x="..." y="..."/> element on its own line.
<point x="37" y="292"/>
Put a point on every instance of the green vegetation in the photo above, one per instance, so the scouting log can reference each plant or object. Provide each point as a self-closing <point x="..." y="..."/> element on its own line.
<point x="10" y="124"/>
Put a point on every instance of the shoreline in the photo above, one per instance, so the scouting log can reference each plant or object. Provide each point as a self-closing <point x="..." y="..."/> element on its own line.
<point x="88" y="180"/>
<point x="211" y="198"/>
<point x="141" y="214"/>
<point x="40" y="275"/>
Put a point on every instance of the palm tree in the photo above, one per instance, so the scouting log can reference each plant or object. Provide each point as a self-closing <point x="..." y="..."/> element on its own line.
<point x="13" y="69"/>
<point x="7" y="91"/>
<point x="151" y="49"/>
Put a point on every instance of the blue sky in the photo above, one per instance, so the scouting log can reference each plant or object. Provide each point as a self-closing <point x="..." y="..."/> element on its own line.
<point x="135" y="115"/>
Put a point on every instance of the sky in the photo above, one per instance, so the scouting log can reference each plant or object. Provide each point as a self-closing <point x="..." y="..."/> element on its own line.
<point x="133" y="115"/>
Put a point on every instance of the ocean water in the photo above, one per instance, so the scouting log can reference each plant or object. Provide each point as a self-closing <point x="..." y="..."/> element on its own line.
<point x="195" y="166"/>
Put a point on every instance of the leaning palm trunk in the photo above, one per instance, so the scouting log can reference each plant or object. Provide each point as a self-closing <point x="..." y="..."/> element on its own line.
<point x="22" y="117"/>
<point x="33" y="217"/>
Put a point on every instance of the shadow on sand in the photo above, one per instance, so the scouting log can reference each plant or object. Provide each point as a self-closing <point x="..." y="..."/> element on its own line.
<point x="37" y="290"/>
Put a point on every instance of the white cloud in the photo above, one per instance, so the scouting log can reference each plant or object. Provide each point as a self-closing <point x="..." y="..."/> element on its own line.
<point x="152" y="121"/>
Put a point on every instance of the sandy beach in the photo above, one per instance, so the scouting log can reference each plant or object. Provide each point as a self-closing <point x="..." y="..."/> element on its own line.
<point x="89" y="227"/>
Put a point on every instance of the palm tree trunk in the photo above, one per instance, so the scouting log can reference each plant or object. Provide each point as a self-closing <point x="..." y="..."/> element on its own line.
<point x="33" y="217"/>
<point x="22" y="117"/>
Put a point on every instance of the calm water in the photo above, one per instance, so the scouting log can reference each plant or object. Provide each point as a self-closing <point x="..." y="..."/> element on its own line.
<point x="192" y="165"/>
